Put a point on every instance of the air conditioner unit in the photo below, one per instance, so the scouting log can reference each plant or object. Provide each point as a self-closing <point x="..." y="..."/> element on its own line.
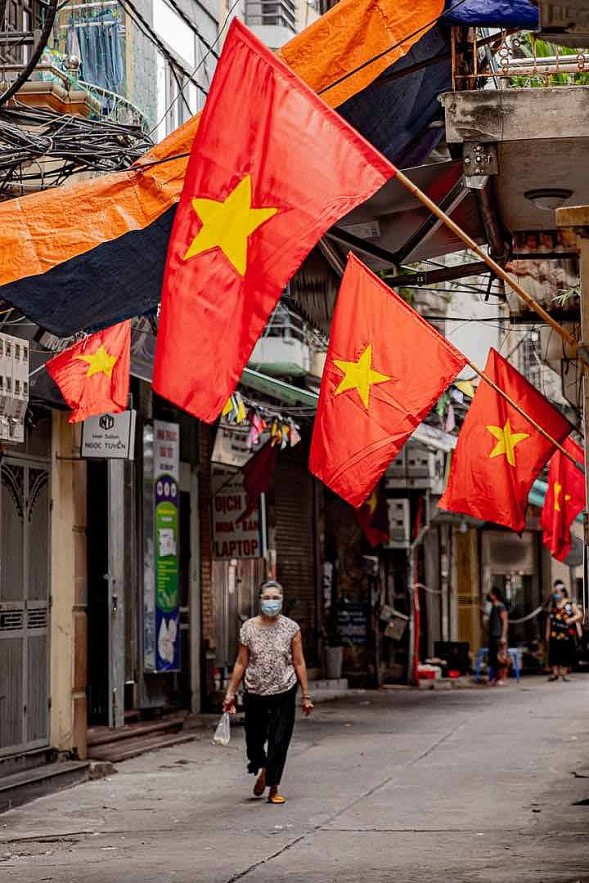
<point x="417" y="467"/>
<point x="399" y="524"/>
<point x="14" y="387"/>
<point x="396" y="473"/>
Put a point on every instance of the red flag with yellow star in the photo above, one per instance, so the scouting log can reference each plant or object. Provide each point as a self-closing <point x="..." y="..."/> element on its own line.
<point x="272" y="168"/>
<point x="373" y="518"/>
<point x="499" y="453"/>
<point x="385" y="368"/>
<point x="565" y="499"/>
<point x="93" y="375"/>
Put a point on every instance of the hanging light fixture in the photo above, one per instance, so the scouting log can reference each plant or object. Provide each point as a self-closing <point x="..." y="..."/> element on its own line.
<point x="548" y="198"/>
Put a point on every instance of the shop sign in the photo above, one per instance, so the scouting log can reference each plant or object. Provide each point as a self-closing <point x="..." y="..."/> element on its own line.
<point x="166" y="498"/>
<point x="234" y="537"/>
<point x="109" y="437"/>
<point x="352" y="622"/>
<point x="231" y="445"/>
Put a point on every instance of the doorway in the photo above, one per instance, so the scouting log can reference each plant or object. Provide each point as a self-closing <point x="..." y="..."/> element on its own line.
<point x="24" y="604"/>
<point x="106" y="609"/>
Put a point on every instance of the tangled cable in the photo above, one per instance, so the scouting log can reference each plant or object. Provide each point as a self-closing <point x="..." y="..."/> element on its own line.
<point x="29" y="136"/>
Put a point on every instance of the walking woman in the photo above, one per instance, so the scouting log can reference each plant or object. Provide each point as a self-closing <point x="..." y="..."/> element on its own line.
<point x="561" y="632"/>
<point x="270" y="661"/>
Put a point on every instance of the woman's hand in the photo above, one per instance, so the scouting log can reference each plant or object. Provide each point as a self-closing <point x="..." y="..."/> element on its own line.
<point x="229" y="703"/>
<point x="307" y="705"/>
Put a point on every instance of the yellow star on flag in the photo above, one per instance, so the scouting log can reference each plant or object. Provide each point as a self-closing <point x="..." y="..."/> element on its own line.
<point x="557" y="493"/>
<point x="228" y="224"/>
<point x="100" y="362"/>
<point x="359" y="375"/>
<point x="371" y="502"/>
<point x="506" y="441"/>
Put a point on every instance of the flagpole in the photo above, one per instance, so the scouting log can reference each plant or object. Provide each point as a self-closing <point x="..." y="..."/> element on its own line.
<point x="523" y="414"/>
<point x="578" y="350"/>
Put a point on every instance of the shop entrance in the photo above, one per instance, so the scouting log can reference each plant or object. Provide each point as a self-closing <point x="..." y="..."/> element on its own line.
<point x="106" y="608"/>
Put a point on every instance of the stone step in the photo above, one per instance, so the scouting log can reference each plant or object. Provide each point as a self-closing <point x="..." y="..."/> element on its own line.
<point x="26" y="760"/>
<point x="116" y="752"/>
<point x="328" y="685"/>
<point x="106" y="735"/>
<point x="29" y="784"/>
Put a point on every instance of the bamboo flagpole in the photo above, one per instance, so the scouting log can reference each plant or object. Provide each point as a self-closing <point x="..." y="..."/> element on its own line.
<point x="579" y="351"/>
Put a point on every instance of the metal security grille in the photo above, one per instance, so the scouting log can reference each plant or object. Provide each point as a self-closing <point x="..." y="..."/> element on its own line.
<point x="24" y="605"/>
<point x="295" y="544"/>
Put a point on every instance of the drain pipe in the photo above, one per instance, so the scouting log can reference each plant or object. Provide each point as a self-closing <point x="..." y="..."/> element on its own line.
<point x="415" y="610"/>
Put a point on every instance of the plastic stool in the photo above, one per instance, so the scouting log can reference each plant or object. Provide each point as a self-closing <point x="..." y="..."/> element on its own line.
<point x="484" y="651"/>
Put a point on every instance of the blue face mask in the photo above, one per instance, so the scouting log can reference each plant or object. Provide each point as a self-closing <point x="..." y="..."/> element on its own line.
<point x="557" y="596"/>
<point x="271" y="607"/>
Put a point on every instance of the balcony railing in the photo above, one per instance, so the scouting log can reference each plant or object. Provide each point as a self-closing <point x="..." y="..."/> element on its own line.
<point x="514" y="60"/>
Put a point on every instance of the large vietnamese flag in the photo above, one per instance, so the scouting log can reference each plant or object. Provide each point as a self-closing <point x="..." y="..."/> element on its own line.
<point x="565" y="499"/>
<point x="385" y="369"/>
<point x="271" y="169"/>
<point x="500" y="453"/>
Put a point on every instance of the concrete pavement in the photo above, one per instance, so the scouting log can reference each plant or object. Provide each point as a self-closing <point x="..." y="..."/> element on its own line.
<point x="466" y="786"/>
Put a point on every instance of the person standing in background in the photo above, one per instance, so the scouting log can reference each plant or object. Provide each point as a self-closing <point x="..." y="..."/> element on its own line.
<point x="497" y="637"/>
<point x="561" y="632"/>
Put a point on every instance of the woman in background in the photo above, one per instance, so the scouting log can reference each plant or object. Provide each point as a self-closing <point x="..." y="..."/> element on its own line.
<point x="561" y="632"/>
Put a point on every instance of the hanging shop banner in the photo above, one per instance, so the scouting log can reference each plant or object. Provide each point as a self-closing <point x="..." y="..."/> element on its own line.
<point x="233" y="536"/>
<point x="352" y="622"/>
<point x="166" y="479"/>
<point x="232" y="446"/>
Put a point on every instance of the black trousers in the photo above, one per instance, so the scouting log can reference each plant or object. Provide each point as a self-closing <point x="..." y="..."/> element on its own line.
<point x="269" y="719"/>
<point x="493" y="652"/>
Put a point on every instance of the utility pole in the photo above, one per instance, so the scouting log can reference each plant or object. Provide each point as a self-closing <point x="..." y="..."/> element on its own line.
<point x="576" y="219"/>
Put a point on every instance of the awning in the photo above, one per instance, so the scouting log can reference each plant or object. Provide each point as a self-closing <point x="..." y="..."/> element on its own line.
<point x="501" y="13"/>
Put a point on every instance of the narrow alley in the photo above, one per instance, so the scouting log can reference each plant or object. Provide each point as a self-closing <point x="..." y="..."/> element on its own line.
<point x="464" y="785"/>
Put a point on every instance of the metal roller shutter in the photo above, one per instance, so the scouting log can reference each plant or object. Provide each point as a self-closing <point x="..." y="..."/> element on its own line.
<point x="295" y="544"/>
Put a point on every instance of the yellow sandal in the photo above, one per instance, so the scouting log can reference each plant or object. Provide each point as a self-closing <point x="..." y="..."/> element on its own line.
<point x="276" y="798"/>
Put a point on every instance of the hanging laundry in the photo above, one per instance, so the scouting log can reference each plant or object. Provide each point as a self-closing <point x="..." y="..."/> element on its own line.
<point x="241" y="410"/>
<point x="457" y="395"/>
<point x="258" y="425"/>
<point x="294" y="435"/>
<point x="450" y="419"/>
<point x="466" y="387"/>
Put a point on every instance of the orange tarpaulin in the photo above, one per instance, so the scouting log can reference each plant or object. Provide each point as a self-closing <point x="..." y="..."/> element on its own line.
<point x="42" y="230"/>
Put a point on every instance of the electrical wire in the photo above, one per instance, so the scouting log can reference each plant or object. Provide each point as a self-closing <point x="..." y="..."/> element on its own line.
<point x="195" y="71"/>
<point x="77" y="144"/>
<point x="382" y="54"/>
<point x="192" y="25"/>
<point x="141" y="22"/>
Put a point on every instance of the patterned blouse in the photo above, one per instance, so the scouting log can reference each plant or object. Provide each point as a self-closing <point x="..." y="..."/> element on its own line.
<point x="270" y="669"/>
<point x="560" y="630"/>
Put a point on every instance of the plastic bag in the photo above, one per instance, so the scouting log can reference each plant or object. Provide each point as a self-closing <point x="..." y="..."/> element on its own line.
<point x="223" y="731"/>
